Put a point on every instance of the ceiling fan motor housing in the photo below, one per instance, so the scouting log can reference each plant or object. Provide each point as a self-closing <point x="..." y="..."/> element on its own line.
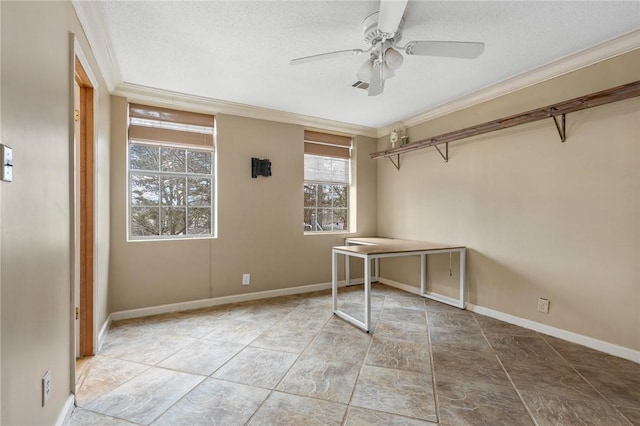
<point x="371" y="33"/>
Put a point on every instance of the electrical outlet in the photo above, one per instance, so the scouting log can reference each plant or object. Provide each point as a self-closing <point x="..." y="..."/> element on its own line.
<point x="246" y="279"/>
<point x="6" y="159"/>
<point x="543" y="305"/>
<point x="46" y="387"/>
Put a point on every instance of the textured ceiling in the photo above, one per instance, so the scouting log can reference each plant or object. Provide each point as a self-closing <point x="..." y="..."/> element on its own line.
<point x="239" y="51"/>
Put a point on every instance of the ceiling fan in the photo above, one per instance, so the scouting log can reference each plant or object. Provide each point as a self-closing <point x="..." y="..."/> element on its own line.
<point x="382" y="32"/>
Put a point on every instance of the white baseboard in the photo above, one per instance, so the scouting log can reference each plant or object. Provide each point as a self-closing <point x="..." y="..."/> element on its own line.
<point x="205" y="303"/>
<point x="67" y="409"/>
<point x="102" y="334"/>
<point x="590" y="342"/>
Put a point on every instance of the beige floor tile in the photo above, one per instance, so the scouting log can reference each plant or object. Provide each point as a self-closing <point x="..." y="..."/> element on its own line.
<point x="283" y="338"/>
<point x="404" y="302"/>
<point x="632" y="414"/>
<point x="582" y="356"/>
<point x="400" y="331"/>
<point x="534" y="348"/>
<point x="215" y="402"/>
<point x="319" y="378"/>
<point x="145" y="348"/>
<point x="290" y="410"/>
<point x="237" y="331"/>
<point x="202" y="357"/>
<point x="103" y="374"/>
<point x="549" y="377"/>
<point x="406" y="393"/>
<point x="403" y="315"/>
<point x="618" y="386"/>
<point x="269" y="314"/>
<point x="467" y="339"/>
<point x="452" y="320"/>
<point x="257" y="367"/>
<point x="467" y="403"/>
<point x="468" y="366"/>
<point x="399" y="355"/>
<point x="338" y="325"/>
<point x="307" y="319"/>
<point x="81" y="417"/>
<point x="339" y="346"/>
<point x="313" y="358"/>
<point x="364" y="417"/>
<point x="356" y="310"/>
<point x="147" y="396"/>
<point x="551" y="409"/>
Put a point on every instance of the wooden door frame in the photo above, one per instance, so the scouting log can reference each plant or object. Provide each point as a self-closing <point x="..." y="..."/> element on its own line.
<point x="83" y="181"/>
<point x="86" y="212"/>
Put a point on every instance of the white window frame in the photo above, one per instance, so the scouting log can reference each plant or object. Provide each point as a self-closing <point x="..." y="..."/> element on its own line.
<point x="212" y="176"/>
<point x="347" y="185"/>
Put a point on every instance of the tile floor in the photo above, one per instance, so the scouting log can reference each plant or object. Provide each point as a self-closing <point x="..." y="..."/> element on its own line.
<point x="289" y="361"/>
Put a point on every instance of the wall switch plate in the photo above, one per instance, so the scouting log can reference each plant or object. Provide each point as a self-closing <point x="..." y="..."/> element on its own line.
<point x="246" y="279"/>
<point x="46" y="387"/>
<point x="543" y="305"/>
<point x="6" y="160"/>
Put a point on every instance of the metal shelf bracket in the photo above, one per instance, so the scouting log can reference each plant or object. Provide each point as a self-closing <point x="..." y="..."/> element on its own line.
<point x="444" y="156"/>
<point x="396" y="164"/>
<point x="562" y="130"/>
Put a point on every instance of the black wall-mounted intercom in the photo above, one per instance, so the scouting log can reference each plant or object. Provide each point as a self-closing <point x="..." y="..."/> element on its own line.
<point x="260" y="167"/>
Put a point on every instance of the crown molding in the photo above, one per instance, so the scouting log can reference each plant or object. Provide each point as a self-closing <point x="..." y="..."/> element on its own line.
<point x="166" y="98"/>
<point x="93" y="25"/>
<point x="598" y="53"/>
<point x="94" y="28"/>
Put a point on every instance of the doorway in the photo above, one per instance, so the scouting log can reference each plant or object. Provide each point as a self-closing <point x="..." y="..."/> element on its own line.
<point x="84" y="211"/>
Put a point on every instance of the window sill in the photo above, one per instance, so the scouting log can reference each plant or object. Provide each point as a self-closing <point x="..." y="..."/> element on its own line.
<point x="146" y="240"/>
<point x="327" y="233"/>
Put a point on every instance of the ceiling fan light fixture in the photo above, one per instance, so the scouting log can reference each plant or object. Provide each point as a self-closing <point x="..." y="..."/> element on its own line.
<point x="392" y="58"/>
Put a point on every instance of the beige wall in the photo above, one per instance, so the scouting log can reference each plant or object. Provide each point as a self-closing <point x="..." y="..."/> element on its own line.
<point x="541" y="218"/>
<point x="35" y="240"/>
<point x="259" y="221"/>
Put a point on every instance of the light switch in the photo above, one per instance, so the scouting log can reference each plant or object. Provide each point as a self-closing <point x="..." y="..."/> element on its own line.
<point x="6" y="155"/>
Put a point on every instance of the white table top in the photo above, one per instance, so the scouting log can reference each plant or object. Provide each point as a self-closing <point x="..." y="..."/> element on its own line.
<point x="376" y="245"/>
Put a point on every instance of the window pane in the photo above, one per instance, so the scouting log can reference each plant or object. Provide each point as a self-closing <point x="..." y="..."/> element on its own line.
<point x="199" y="221"/>
<point x="325" y="196"/>
<point x="199" y="191"/>
<point x="340" y="219"/>
<point x="174" y="220"/>
<point x="173" y="160"/>
<point x="144" y="221"/>
<point x="173" y="190"/>
<point x="145" y="190"/>
<point x="143" y="157"/>
<point x="310" y="223"/>
<point x="340" y="195"/>
<point x="199" y="162"/>
<point x="325" y="219"/>
<point x="310" y="193"/>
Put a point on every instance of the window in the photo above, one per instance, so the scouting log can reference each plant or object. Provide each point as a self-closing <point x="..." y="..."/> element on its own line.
<point x="171" y="174"/>
<point x="326" y="182"/>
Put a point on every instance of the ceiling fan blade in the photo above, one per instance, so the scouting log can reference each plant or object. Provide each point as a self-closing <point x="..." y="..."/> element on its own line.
<point x="328" y="55"/>
<point x="390" y="15"/>
<point x="376" y="85"/>
<point x="451" y="49"/>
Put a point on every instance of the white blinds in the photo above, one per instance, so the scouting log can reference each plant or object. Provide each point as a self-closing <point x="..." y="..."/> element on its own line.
<point x="155" y="124"/>
<point x="323" y="169"/>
